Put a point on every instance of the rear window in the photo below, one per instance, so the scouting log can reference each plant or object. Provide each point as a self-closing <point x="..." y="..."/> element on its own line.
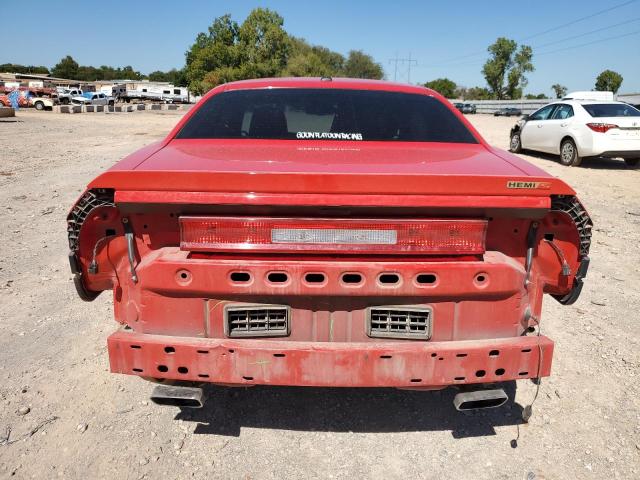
<point x="326" y="114"/>
<point x="611" y="110"/>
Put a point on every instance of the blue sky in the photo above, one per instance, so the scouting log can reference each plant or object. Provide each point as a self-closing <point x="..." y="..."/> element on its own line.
<point x="447" y="39"/>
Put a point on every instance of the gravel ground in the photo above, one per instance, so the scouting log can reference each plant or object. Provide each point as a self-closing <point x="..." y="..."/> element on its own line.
<point x="63" y="415"/>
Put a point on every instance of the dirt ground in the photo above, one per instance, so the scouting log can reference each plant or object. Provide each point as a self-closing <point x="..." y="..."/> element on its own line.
<point x="83" y="422"/>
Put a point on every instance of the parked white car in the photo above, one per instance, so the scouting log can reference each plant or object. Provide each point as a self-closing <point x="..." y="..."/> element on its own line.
<point x="99" y="98"/>
<point x="579" y="128"/>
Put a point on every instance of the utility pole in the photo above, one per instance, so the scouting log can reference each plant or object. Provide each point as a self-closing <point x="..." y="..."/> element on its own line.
<point x="408" y="61"/>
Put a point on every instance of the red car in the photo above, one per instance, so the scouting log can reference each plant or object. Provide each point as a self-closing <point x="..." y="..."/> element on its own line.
<point x="328" y="232"/>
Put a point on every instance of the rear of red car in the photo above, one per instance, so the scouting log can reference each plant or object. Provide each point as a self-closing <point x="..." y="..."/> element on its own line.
<point x="328" y="233"/>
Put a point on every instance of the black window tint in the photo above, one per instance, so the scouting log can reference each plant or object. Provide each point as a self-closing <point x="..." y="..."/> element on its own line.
<point x="543" y="114"/>
<point x="611" y="110"/>
<point x="327" y="114"/>
<point x="562" y="112"/>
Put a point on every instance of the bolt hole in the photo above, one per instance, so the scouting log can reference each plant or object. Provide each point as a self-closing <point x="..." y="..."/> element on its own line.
<point x="389" y="278"/>
<point x="169" y="350"/>
<point x="184" y="275"/>
<point x="434" y="354"/>
<point x="163" y="368"/>
<point x="494" y="353"/>
<point x="351" y="278"/>
<point x="523" y="373"/>
<point x="416" y="380"/>
<point x="526" y="350"/>
<point x="248" y="378"/>
<point x="426" y="279"/>
<point x="204" y="352"/>
<point x="231" y="351"/>
<point x="461" y="355"/>
<point x="385" y="356"/>
<point x="481" y="278"/>
<point x="459" y="378"/>
<point x="277" y="277"/>
<point x="500" y="372"/>
<point x="137" y="370"/>
<point x="440" y="358"/>
<point x="314" y="278"/>
<point x="183" y="370"/>
<point x="279" y="355"/>
<point x="135" y="346"/>
<point x="240" y="277"/>
<point x="145" y="226"/>
<point x="203" y="375"/>
<point x="480" y="373"/>
<point x="516" y="231"/>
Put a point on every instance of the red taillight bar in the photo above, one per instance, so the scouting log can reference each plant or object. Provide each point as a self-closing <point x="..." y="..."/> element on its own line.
<point x="601" y="127"/>
<point x="227" y="234"/>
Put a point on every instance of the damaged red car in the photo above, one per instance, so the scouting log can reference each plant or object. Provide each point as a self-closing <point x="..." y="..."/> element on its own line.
<point x="329" y="233"/>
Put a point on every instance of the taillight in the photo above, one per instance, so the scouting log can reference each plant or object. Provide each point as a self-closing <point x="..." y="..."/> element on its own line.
<point x="601" y="127"/>
<point x="446" y="237"/>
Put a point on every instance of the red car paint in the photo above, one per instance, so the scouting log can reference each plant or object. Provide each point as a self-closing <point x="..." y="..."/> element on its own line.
<point x="483" y="305"/>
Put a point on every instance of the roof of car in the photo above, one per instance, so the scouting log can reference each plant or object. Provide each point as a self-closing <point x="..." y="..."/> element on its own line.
<point x="327" y="82"/>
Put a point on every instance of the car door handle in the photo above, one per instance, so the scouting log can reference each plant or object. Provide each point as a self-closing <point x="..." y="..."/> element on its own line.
<point x="564" y="124"/>
<point x="540" y="126"/>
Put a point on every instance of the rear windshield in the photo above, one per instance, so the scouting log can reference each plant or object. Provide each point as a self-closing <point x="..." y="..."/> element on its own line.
<point x="611" y="110"/>
<point x="326" y="114"/>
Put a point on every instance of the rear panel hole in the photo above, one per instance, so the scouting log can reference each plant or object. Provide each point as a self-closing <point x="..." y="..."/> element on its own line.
<point x="240" y="277"/>
<point x="204" y="352"/>
<point x="277" y="277"/>
<point x="494" y="353"/>
<point x="441" y="358"/>
<point x="352" y="278"/>
<point x="135" y="346"/>
<point x="314" y="278"/>
<point x="137" y="370"/>
<point x="416" y="380"/>
<point x="169" y="350"/>
<point x="279" y="355"/>
<point x="526" y="350"/>
<point x="480" y="373"/>
<point x="426" y="279"/>
<point x="523" y="373"/>
<point x="184" y="275"/>
<point x="461" y="355"/>
<point x="203" y="375"/>
<point x="231" y="350"/>
<point x="248" y="378"/>
<point x="183" y="370"/>
<point x="500" y="371"/>
<point x="434" y="354"/>
<point x="389" y="278"/>
<point x="459" y="378"/>
<point x="163" y="368"/>
<point x="480" y="278"/>
<point x="385" y="356"/>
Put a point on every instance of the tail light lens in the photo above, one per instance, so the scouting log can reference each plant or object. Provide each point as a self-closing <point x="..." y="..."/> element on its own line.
<point x="445" y="237"/>
<point x="601" y="127"/>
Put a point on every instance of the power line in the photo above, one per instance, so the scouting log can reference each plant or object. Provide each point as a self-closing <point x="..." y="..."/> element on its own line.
<point x="586" y="33"/>
<point x="402" y="61"/>
<point x="591" y="43"/>
<point x="553" y="29"/>
<point x="444" y="63"/>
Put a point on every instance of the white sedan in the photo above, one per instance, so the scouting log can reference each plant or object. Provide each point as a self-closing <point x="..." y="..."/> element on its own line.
<point x="576" y="129"/>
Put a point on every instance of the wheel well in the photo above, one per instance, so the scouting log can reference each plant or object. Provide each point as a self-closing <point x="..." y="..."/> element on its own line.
<point x="568" y="137"/>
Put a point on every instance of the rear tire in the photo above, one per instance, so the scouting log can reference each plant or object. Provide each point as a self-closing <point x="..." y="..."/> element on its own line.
<point x="515" y="144"/>
<point x="632" y="162"/>
<point x="569" y="154"/>
<point x="39" y="105"/>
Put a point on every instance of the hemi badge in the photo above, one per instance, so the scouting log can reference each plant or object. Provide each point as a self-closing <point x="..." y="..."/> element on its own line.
<point x="529" y="185"/>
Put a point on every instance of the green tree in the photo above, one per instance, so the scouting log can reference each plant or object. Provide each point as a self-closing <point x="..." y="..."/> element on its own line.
<point x="312" y="61"/>
<point x="477" y="93"/>
<point x="361" y="65"/>
<point x="66" y="68"/>
<point x="609" y="81"/>
<point x="533" y="96"/>
<point x="443" y="86"/>
<point x="505" y="70"/>
<point x="15" y="68"/>
<point x="559" y="90"/>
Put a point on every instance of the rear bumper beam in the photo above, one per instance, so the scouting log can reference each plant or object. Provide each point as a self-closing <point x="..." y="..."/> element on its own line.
<point x="404" y="364"/>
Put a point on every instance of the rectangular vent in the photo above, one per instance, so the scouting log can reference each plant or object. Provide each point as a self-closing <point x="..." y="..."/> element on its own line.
<point x="399" y="322"/>
<point x="257" y="320"/>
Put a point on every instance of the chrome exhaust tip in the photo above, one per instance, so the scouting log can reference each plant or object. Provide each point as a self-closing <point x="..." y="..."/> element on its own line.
<point x="178" y="396"/>
<point x="479" y="399"/>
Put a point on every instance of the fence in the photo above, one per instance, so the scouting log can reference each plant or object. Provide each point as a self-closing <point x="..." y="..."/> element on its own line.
<point x="490" y="106"/>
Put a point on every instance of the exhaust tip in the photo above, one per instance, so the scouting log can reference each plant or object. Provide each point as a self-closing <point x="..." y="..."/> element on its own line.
<point x="479" y="399"/>
<point x="177" y="396"/>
